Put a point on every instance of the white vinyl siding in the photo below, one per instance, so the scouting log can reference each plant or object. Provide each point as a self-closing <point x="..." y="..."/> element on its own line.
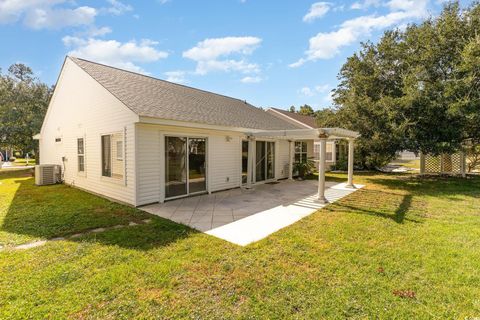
<point x="73" y="114"/>
<point x="283" y="159"/>
<point x="223" y="159"/>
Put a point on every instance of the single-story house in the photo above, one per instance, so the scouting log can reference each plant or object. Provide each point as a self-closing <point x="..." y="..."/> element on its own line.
<point x="141" y="140"/>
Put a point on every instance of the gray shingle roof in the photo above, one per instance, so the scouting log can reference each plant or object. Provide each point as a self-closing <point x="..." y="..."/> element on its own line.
<point x="308" y="120"/>
<point x="150" y="97"/>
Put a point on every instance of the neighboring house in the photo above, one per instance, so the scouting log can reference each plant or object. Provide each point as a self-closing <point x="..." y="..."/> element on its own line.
<point x="407" y="155"/>
<point x="140" y="140"/>
<point x="306" y="149"/>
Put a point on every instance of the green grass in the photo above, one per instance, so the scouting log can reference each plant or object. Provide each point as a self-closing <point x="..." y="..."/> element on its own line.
<point x="400" y="248"/>
<point x="413" y="164"/>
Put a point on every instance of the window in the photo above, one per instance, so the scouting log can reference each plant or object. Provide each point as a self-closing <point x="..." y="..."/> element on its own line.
<point x="58" y="140"/>
<point x="112" y="155"/>
<point x="120" y="150"/>
<point x="329" y="153"/>
<point x="81" y="154"/>
<point x="300" y="151"/>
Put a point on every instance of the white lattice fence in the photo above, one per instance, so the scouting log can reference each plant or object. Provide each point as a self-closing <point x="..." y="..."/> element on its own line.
<point x="443" y="164"/>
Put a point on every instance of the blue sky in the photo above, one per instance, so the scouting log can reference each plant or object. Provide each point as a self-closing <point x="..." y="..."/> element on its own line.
<point x="270" y="53"/>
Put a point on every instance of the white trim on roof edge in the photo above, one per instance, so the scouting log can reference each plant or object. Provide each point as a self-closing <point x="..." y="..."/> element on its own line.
<point x="176" y="123"/>
<point x="290" y="118"/>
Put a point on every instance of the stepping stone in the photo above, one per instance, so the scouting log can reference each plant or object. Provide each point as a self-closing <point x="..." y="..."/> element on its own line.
<point x="57" y="239"/>
<point x="76" y="235"/>
<point x="133" y="224"/>
<point x="147" y="220"/>
<point x="30" y="245"/>
<point x="118" y="226"/>
<point x="98" y="230"/>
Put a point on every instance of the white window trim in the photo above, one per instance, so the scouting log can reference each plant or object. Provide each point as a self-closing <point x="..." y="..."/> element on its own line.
<point x="301" y="151"/>
<point x="84" y="172"/>
<point x="123" y="180"/>
<point x="315" y="152"/>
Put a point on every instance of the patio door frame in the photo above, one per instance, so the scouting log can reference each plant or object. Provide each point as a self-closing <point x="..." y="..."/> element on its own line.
<point x="187" y="164"/>
<point x="252" y="156"/>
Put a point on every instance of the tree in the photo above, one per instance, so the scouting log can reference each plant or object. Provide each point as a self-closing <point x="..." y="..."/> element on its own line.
<point x="417" y="89"/>
<point x="292" y="109"/>
<point x="23" y="104"/>
<point x="306" y="110"/>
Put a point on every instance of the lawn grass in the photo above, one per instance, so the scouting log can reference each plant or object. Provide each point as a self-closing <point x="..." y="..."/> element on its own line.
<point x="402" y="247"/>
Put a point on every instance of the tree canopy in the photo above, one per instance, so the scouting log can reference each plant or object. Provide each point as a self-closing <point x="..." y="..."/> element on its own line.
<point x="417" y="89"/>
<point x="23" y="104"/>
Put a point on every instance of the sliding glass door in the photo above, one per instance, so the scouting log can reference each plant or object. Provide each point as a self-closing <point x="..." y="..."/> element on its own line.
<point x="244" y="161"/>
<point x="175" y="166"/>
<point x="196" y="165"/>
<point x="185" y="166"/>
<point x="270" y="160"/>
<point x="265" y="160"/>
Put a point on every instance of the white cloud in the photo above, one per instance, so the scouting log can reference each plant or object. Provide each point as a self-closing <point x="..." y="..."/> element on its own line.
<point x="249" y="79"/>
<point x="326" y="45"/>
<point x="317" y="10"/>
<point x="306" y="91"/>
<point x="59" y="18"/>
<point x="322" y="88"/>
<point x="38" y="14"/>
<point x="97" y="32"/>
<point x="118" y="8"/>
<point x="176" y="76"/>
<point x="111" y="52"/>
<point x="365" y="4"/>
<point x="312" y="91"/>
<point x="212" y="54"/>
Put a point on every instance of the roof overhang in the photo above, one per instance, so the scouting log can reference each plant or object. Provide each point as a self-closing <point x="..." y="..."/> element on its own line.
<point x="304" y="134"/>
<point x="190" y="124"/>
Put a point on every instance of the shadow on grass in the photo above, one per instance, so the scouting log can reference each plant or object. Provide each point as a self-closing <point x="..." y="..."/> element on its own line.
<point x="403" y="208"/>
<point x="388" y="205"/>
<point x="60" y="211"/>
<point x="438" y="186"/>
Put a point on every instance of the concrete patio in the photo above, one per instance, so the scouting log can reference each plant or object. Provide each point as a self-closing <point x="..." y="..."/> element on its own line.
<point x="243" y="216"/>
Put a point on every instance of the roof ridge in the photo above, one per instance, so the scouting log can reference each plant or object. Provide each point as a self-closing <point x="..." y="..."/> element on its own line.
<point x="157" y="79"/>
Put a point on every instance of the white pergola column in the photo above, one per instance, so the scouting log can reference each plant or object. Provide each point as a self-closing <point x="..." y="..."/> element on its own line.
<point x="350" y="163"/>
<point x="321" y="170"/>
<point x="422" y="163"/>
<point x="291" y="154"/>
<point x="463" y="163"/>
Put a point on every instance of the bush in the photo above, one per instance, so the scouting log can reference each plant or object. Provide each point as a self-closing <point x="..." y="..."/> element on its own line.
<point x="304" y="168"/>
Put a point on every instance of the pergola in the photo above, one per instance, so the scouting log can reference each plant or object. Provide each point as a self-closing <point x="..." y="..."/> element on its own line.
<point x="320" y="134"/>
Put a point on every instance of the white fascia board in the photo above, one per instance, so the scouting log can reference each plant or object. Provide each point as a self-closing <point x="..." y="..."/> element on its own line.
<point x="289" y="118"/>
<point x="332" y="133"/>
<point x="175" y="123"/>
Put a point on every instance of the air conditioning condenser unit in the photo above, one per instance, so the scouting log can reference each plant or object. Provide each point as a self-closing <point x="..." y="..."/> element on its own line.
<point x="46" y="174"/>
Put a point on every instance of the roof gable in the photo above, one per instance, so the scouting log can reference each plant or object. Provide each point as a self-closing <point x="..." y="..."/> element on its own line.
<point x="307" y="121"/>
<point x="151" y="97"/>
